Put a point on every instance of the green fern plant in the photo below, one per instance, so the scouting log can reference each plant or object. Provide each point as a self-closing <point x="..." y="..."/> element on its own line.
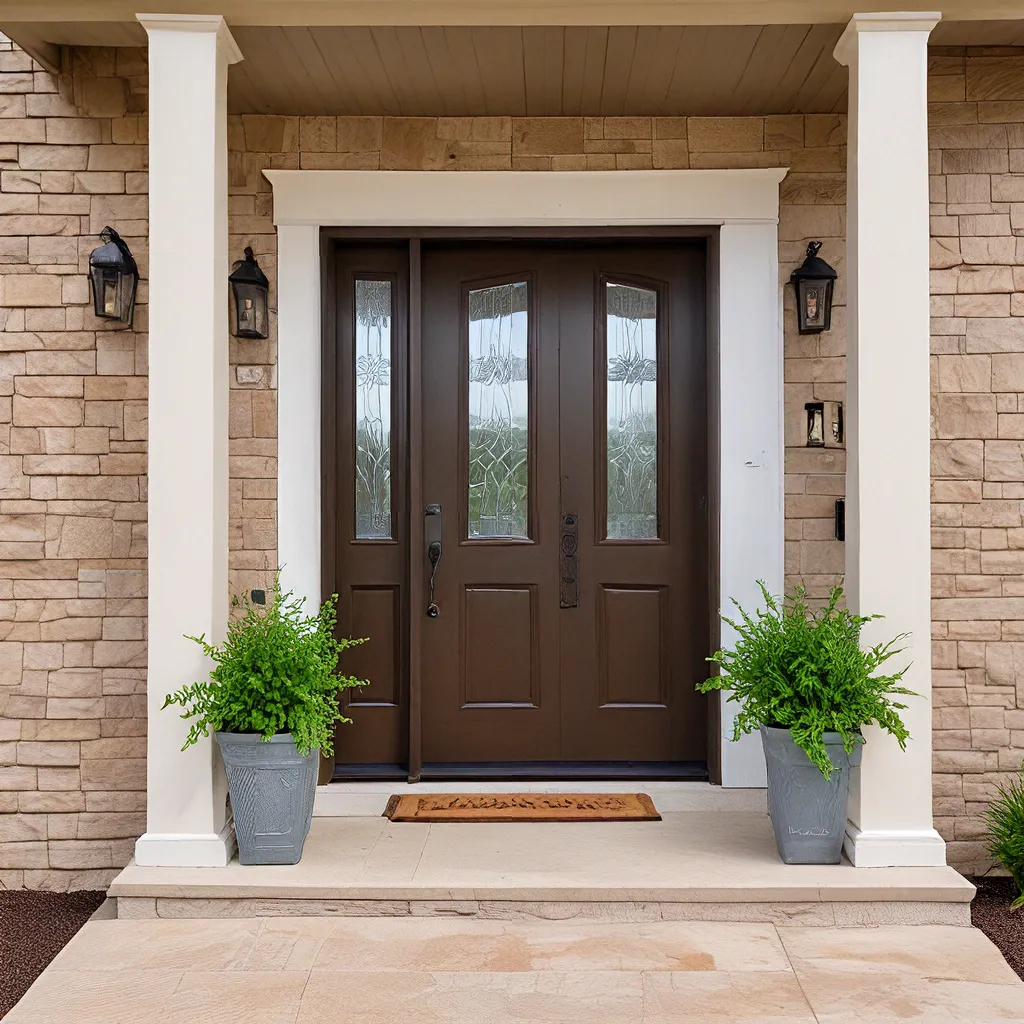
<point x="1005" y="820"/>
<point x="275" y="672"/>
<point x="806" y="671"/>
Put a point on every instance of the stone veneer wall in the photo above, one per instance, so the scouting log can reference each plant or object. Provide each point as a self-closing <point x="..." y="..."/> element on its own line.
<point x="73" y="409"/>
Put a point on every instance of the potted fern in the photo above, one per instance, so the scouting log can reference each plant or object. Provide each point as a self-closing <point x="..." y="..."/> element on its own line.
<point x="272" y="701"/>
<point x="806" y="683"/>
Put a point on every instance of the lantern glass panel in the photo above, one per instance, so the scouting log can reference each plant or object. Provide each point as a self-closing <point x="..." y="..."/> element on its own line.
<point x="815" y="425"/>
<point x="250" y="310"/>
<point x="814" y="298"/>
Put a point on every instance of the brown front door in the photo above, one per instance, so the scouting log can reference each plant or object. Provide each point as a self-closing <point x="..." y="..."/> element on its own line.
<point x="564" y="439"/>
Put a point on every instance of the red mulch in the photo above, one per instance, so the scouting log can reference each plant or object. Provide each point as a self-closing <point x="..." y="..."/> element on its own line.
<point x="991" y="912"/>
<point x="34" y="928"/>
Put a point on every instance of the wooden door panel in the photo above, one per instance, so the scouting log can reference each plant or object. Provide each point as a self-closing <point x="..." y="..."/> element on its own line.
<point x="376" y="612"/>
<point x="500" y="666"/>
<point x="632" y="635"/>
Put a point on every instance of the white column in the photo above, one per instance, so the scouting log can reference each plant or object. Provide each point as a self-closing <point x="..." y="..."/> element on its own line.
<point x="888" y="547"/>
<point x="298" y="412"/>
<point x="188" y="413"/>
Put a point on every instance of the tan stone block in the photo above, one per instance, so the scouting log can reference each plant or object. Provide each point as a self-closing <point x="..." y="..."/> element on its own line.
<point x="984" y="224"/>
<point x="116" y="158"/>
<point x="114" y="774"/>
<point x="947" y="88"/>
<point x="995" y="78"/>
<point x="23" y="855"/>
<point x="989" y="250"/>
<point x="318" y="134"/>
<point x="965" y="416"/>
<point x="270" y="133"/>
<point x="1011" y="425"/>
<point x="546" y="136"/>
<point x="1007" y="188"/>
<point x="1004" y="460"/>
<point x="995" y="335"/>
<point x="966" y="305"/>
<point x="365" y="134"/>
<point x="17" y="778"/>
<point x="725" y="134"/>
<point x="1008" y="371"/>
<point x="46" y="412"/>
<point x="82" y="537"/>
<point x="31" y="290"/>
<point x="22" y="130"/>
<point x="945" y="253"/>
<point x="71" y="131"/>
<point x="103" y="97"/>
<point x="48" y="754"/>
<point x="53" y="158"/>
<point x="53" y="803"/>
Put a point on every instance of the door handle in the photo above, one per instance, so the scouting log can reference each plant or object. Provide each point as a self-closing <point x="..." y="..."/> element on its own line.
<point x="569" y="561"/>
<point x="433" y="532"/>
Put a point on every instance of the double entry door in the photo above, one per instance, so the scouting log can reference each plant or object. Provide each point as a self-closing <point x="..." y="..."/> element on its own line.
<point x="549" y="611"/>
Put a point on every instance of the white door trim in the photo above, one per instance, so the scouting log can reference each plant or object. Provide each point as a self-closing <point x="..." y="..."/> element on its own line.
<point x="744" y="204"/>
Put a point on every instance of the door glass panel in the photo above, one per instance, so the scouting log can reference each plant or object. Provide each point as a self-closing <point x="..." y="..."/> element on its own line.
<point x="499" y="399"/>
<point x="631" y="337"/>
<point x="373" y="409"/>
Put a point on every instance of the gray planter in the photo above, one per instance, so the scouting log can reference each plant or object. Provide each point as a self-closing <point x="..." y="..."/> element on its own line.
<point x="272" y="787"/>
<point x="808" y="811"/>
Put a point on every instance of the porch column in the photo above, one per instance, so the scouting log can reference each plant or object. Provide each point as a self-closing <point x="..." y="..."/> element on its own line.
<point x="188" y="414"/>
<point x="888" y="545"/>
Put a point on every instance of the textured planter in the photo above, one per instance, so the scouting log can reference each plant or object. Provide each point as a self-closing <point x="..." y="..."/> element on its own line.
<point x="808" y="811"/>
<point x="272" y="787"/>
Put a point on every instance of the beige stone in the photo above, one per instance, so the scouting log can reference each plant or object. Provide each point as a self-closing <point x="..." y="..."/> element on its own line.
<point x="543" y="136"/>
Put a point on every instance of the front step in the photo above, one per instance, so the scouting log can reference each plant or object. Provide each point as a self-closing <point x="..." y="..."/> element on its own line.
<point x="693" y="865"/>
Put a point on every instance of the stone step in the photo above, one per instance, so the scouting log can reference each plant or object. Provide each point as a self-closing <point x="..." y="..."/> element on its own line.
<point x="694" y="865"/>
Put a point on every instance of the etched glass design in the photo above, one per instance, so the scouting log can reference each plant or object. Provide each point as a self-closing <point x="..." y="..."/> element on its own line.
<point x="499" y="399"/>
<point x="373" y="409"/>
<point x="632" y="410"/>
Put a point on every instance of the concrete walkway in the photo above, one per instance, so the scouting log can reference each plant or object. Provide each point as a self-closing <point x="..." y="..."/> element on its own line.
<point x="443" y="971"/>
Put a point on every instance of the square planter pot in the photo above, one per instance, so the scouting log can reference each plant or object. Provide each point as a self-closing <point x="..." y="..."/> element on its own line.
<point x="272" y="787"/>
<point x="808" y="811"/>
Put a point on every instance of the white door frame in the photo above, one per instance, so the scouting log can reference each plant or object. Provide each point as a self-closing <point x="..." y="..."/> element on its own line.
<point x="746" y="326"/>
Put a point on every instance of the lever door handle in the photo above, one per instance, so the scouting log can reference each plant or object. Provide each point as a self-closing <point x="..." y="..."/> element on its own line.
<point x="433" y="532"/>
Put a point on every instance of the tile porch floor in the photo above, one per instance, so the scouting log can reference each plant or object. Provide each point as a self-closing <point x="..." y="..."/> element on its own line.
<point x="430" y="971"/>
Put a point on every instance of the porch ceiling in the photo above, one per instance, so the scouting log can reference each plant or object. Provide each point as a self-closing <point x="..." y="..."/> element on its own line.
<point x="521" y="70"/>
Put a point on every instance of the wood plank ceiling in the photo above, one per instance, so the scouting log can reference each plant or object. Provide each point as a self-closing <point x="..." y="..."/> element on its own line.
<point x="538" y="71"/>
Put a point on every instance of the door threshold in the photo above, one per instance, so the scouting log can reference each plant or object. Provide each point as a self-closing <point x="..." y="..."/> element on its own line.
<point x="541" y="771"/>
<point x="528" y="771"/>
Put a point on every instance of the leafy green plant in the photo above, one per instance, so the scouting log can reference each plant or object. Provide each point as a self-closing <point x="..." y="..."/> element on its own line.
<point x="806" y="671"/>
<point x="1005" y="820"/>
<point x="276" y="671"/>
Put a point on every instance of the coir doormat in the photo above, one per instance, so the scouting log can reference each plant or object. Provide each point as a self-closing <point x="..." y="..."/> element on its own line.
<point x="437" y="807"/>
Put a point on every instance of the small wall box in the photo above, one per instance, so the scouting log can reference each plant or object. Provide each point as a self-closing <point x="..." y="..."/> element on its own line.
<point x="825" y="425"/>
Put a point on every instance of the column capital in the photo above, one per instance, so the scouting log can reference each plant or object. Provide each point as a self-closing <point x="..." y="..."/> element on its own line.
<point x="212" y="23"/>
<point x="890" y="21"/>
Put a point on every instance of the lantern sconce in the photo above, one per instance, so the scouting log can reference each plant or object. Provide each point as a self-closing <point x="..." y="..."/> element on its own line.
<point x="814" y="282"/>
<point x="824" y="424"/>
<point x="249" y="288"/>
<point x="114" y="279"/>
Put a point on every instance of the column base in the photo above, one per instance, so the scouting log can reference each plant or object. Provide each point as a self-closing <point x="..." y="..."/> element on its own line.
<point x="186" y="849"/>
<point x="885" y="848"/>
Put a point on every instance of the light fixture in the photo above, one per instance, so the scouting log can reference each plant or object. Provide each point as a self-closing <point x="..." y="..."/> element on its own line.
<point x="114" y="279"/>
<point x="249" y="287"/>
<point x="824" y="424"/>
<point x="814" y="282"/>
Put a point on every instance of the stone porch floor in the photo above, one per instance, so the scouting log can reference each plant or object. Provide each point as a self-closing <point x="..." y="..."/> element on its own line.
<point x="421" y="971"/>
<point x="693" y="865"/>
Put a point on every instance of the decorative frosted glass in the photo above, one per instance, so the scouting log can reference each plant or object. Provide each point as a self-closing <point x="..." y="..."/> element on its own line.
<point x="632" y="407"/>
<point x="499" y="400"/>
<point x="373" y="409"/>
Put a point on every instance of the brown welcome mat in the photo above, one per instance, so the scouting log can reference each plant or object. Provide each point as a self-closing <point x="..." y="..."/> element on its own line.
<point x="522" y="807"/>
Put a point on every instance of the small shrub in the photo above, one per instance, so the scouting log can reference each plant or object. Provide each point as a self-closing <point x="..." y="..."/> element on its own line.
<point x="1005" y="820"/>
<point x="276" y="671"/>
<point x="804" y="671"/>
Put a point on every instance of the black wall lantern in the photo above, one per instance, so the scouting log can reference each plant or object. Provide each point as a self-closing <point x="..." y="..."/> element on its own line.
<point x="114" y="279"/>
<point x="814" y="282"/>
<point x="249" y="286"/>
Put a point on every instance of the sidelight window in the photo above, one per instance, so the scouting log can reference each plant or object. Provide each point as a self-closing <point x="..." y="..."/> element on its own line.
<point x="373" y="308"/>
